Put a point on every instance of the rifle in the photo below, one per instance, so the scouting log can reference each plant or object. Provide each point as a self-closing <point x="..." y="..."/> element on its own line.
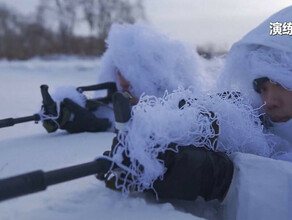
<point x="50" y="106"/>
<point x="93" y="104"/>
<point x="39" y="180"/>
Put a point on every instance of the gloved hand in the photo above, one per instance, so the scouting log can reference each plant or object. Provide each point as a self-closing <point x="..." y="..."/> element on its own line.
<point x="83" y="120"/>
<point x="193" y="172"/>
<point x="74" y="119"/>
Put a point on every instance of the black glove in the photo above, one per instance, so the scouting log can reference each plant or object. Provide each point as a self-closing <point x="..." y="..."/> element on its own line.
<point x="83" y="120"/>
<point x="191" y="172"/>
<point x="194" y="172"/>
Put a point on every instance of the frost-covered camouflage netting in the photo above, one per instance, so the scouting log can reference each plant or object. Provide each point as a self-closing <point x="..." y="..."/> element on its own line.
<point x="223" y="122"/>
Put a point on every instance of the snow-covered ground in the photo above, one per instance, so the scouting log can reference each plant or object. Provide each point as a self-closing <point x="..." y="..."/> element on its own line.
<point x="27" y="147"/>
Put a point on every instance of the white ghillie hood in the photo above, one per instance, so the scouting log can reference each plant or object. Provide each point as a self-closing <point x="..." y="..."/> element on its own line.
<point x="261" y="34"/>
<point x="150" y="61"/>
<point x="259" y="54"/>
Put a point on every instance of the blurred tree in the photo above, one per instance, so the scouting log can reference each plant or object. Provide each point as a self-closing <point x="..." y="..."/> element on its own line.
<point x="60" y="15"/>
<point x="101" y="14"/>
<point x="9" y="31"/>
<point x="52" y="30"/>
<point x="98" y="15"/>
<point x="66" y="10"/>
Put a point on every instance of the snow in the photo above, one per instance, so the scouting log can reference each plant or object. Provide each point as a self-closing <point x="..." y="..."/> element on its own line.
<point x="27" y="147"/>
<point x="261" y="189"/>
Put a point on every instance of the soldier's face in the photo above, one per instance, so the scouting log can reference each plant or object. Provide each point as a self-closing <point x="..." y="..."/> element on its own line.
<point x="278" y="101"/>
<point x="125" y="84"/>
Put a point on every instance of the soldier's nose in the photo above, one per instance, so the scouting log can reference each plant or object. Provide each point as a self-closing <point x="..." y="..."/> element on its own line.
<point x="272" y="102"/>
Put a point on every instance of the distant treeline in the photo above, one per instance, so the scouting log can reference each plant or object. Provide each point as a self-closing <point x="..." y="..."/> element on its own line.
<point x="52" y="28"/>
<point x="209" y="51"/>
<point x="35" y="40"/>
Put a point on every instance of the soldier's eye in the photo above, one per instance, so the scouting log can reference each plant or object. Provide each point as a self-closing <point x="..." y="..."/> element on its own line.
<point x="259" y="84"/>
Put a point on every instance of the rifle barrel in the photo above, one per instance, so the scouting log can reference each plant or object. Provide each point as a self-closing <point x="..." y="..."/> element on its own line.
<point x="108" y="86"/>
<point x="7" y="122"/>
<point x="39" y="180"/>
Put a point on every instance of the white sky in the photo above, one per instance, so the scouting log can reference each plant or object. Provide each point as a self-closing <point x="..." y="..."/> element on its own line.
<point x="199" y="22"/>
